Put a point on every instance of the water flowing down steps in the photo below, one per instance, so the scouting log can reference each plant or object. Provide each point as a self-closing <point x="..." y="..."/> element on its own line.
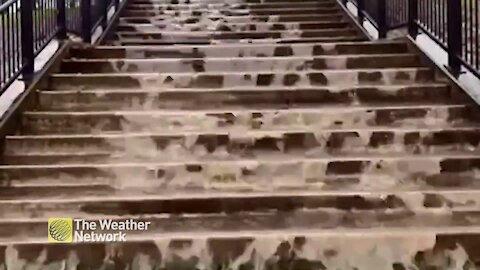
<point x="252" y="134"/>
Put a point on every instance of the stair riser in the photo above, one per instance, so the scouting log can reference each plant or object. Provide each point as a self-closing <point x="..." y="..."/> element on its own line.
<point x="266" y="50"/>
<point x="245" y="12"/>
<point x="189" y="41"/>
<point x="230" y="6"/>
<point x="299" y="220"/>
<point x="237" y="19"/>
<point x="256" y="35"/>
<point x="92" y="156"/>
<point x="338" y="78"/>
<point x="104" y="100"/>
<point x="376" y="174"/>
<point x="301" y="250"/>
<point x="38" y="123"/>
<point x="244" y="27"/>
<point x="143" y="184"/>
<point x="218" y="2"/>
<point x="239" y="64"/>
<point x="416" y="201"/>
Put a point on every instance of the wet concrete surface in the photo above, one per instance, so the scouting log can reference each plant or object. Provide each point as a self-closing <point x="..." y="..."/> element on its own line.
<point x="261" y="134"/>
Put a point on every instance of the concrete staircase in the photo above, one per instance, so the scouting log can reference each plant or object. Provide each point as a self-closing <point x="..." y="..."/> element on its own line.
<point x="261" y="134"/>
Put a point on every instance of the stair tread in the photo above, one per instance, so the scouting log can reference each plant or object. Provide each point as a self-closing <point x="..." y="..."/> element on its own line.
<point x="271" y="132"/>
<point x="217" y="32"/>
<point x="365" y="42"/>
<point x="136" y="41"/>
<point x="389" y="236"/>
<point x="239" y="88"/>
<point x="226" y="23"/>
<point x="247" y="110"/>
<point x="122" y="74"/>
<point x="184" y="195"/>
<point x="280" y="159"/>
<point x="250" y="17"/>
<point x="243" y="58"/>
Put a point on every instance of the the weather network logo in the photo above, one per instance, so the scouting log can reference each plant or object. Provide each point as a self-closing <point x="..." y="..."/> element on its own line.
<point x="60" y="230"/>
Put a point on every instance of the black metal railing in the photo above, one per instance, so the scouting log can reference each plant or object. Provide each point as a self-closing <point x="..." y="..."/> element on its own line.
<point x="28" y="26"/>
<point x="384" y="15"/>
<point x="453" y="24"/>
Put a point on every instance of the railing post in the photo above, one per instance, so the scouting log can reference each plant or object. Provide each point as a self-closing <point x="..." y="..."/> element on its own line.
<point x="454" y="41"/>
<point x="382" y="19"/>
<point x="412" y="18"/>
<point x="61" y="20"/>
<point x="86" y="7"/>
<point x="117" y="4"/>
<point x="28" y="56"/>
<point x="360" y="10"/>
<point x="104" y="6"/>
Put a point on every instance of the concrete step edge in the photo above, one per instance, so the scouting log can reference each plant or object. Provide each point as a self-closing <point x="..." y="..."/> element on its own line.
<point x="225" y="4"/>
<point x="447" y="212"/>
<point x="194" y="33"/>
<point x="271" y="132"/>
<point x="213" y="42"/>
<point x="239" y="161"/>
<point x="280" y="72"/>
<point x="246" y="58"/>
<point x="331" y="44"/>
<point x="249" y="195"/>
<point x="160" y="23"/>
<point x="246" y="110"/>
<point x="421" y="233"/>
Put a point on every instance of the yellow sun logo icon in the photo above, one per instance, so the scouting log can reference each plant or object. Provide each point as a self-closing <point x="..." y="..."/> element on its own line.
<point x="60" y="230"/>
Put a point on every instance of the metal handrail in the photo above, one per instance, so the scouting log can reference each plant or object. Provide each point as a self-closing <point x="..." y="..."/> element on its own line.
<point x="453" y="25"/>
<point x="25" y="30"/>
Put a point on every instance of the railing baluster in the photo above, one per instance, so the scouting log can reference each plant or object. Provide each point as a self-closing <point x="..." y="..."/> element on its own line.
<point x="61" y="20"/>
<point x="454" y="42"/>
<point x="412" y="18"/>
<point x="104" y="4"/>
<point x="382" y="19"/>
<point x="86" y="16"/>
<point x="28" y="26"/>
<point x="360" y="10"/>
<point x="26" y="11"/>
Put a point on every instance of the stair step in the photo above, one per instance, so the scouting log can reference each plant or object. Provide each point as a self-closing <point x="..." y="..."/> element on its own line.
<point x="408" y="184"/>
<point x="186" y="41"/>
<point x="230" y="2"/>
<point x="225" y="7"/>
<point x="51" y="122"/>
<point x="249" y="64"/>
<point x="150" y="187"/>
<point x="228" y="5"/>
<point x="231" y="203"/>
<point x="306" y="249"/>
<point x="261" y="97"/>
<point x="149" y="147"/>
<point x="234" y="27"/>
<point x="224" y="145"/>
<point x="230" y="12"/>
<point x="212" y="18"/>
<point x="208" y="36"/>
<point x="326" y="219"/>
<point x="239" y="50"/>
<point x="215" y="80"/>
